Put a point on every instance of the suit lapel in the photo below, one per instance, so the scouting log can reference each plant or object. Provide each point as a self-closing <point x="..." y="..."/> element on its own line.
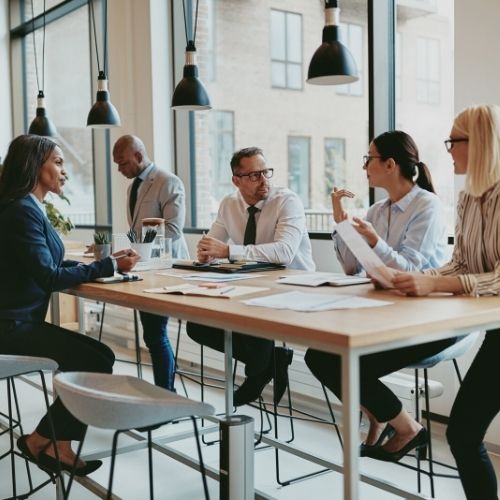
<point x="143" y="190"/>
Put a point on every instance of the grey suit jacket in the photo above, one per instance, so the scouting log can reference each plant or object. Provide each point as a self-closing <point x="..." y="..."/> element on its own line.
<point x="162" y="195"/>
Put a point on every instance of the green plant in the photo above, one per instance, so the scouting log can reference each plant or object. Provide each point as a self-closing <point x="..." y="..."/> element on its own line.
<point x="101" y="238"/>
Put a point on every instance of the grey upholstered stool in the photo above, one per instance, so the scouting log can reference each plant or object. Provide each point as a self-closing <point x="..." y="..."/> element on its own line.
<point x="121" y="402"/>
<point x="12" y="366"/>
<point x="451" y="353"/>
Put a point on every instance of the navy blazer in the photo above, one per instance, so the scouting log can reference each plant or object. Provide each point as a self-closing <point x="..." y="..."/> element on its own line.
<point x="32" y="265"/>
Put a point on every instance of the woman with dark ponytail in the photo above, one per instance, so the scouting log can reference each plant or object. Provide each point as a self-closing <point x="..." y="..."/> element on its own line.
<point x="407" y="230"/>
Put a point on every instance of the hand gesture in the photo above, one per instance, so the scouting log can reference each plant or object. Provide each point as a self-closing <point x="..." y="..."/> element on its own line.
<point x="209" y="248"/>
<point x="365" y="229"/>
<point x="339" y="214"/>
<point x="126" y="259"/>
<point x="414" y="284"/>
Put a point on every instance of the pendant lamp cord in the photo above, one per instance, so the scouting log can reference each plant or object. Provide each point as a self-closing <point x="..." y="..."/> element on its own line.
<point x="104" y="69"/>
<point x="195" y="21"/>
<point x="40" y="88"/>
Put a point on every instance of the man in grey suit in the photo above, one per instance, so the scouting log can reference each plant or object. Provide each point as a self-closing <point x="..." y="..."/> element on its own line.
<point x="154" y="193"/>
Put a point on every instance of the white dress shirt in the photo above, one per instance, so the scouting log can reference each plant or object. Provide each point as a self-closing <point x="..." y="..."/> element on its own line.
<point x="413" y="238"/>
<point x="281" y="235"/>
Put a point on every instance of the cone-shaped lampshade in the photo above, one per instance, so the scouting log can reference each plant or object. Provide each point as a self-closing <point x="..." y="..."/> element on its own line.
<point x="103" y="114"/>
<point x="41" y="125"/>
<point x="190" y="92"/>
<point x="332" y="63"/>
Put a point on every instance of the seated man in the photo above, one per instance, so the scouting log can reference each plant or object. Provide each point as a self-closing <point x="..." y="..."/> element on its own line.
<point x="265" y="224"/>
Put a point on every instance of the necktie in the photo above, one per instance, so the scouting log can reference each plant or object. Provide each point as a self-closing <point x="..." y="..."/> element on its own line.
<point x="133" y="194"/>
<point x="251" y="229"/>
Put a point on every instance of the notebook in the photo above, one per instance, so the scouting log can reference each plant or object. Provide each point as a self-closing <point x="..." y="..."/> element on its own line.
<point x="227" y="267"/>
<point x="323" y="279"/>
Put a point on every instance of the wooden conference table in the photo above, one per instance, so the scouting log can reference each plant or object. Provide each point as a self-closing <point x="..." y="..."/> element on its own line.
<point x="349" y="333"/>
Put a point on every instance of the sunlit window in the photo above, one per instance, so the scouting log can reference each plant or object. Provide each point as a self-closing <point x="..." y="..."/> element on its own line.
<point x="299" y="167"/>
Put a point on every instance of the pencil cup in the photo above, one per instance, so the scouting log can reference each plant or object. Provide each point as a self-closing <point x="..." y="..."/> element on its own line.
<point x="143" y="249"/>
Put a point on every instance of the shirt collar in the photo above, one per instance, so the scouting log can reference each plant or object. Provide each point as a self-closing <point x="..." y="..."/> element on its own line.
<point x="405" y="201"/>
<point x="143" y="175"/>
<point x="258" y="205"/>
<point x="39" y="204"/>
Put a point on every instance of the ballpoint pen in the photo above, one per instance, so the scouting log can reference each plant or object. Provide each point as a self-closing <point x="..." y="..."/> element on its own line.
<point x="227" y="290"/>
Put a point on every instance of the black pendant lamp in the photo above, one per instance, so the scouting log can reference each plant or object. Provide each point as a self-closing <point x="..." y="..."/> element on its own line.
<point x="190" y="93"/>
<point x="102" y="114"/>
<point x="332" y="63"/>
<point x="41" y="125"/>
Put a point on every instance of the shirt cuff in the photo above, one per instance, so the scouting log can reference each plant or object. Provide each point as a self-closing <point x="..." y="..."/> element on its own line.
<point x="236" y="252"/>
<point x="113" y="261"/>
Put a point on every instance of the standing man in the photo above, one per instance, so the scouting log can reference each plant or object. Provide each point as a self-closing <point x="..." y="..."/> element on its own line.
<point x="154" y="193"/>
<point x="262" y="223"/>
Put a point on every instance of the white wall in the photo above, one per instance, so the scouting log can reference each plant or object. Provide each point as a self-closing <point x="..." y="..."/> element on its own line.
<point x="5" y="90"/>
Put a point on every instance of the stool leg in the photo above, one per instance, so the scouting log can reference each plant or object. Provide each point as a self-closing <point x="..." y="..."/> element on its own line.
<point x="138" y="361"/>
<point x="150" y="464"/>
<point x="457" y="370"/>
<point x="102" y="320"/>
<point x="177" y="343"/>
<point x="429" y="444"/>
<point x="332" y="416"/>
<point x="11" y="436"/>
<point x="200" y="458"/>
<point x="73" y="470"/>
<point x="417" y="417"/>
<point x="112" y="467"/>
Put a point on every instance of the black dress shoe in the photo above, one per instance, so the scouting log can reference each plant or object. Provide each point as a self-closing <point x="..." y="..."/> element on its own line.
<point x="387" y="433"/>
<point x="283" y="357"/>
<point x="23" y="447"/>
<point x="419" y="443"/>
<point x="53" y="465"/>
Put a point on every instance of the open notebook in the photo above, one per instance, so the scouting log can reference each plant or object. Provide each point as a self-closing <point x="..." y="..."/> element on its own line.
<point x="225" y="292"/>
<point x="227" y="267"/>
<point x="317" y="279"/>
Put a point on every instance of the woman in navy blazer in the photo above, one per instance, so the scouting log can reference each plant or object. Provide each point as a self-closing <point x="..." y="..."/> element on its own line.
<point x="31" y="268"/>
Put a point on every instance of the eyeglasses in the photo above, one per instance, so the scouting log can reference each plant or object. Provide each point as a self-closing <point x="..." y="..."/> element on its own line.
<point x="367" y="158"/>
<point x="255" y="176"/>
<point x="449" y="143"/>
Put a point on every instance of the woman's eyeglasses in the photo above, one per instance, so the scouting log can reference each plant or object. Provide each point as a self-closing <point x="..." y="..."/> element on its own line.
<point x="255" y="176"/>
<point x="367" y="158"/>
<point x="449" y="143"/>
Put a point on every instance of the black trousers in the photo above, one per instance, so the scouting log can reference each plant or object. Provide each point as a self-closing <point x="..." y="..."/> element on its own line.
<point x="476" y="405"/>
<point x="255" y="352"/>
<point x="374" y="395"/>
<point x="72" y="351"/>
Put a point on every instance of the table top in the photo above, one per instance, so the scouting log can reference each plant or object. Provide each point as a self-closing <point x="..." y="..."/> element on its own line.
<point x="405" y="319"/>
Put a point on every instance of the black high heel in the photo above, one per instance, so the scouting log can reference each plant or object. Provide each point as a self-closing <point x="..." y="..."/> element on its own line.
<point x="419" y="443"/>
<point x="387" y="433"/>
<point x="53" y="465"/>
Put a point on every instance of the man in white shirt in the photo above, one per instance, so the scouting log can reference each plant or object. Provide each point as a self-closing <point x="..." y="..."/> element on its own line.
<point x="259" y="223"/>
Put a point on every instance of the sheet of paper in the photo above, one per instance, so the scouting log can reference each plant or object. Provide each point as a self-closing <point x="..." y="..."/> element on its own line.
<point x="217" y="277"/>
<point x="311" y="302"/>
<point x="366" y="256"/>
<point x="152" y="265"/>
<point x="224" y="292"/>
<point x="318" y="279"/>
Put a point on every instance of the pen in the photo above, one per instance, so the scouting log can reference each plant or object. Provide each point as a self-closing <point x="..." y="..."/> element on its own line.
<point x="227" y="290"/>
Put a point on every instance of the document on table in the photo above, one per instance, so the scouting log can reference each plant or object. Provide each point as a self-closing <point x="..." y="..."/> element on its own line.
<point x="153" y="265"/>
<point x="225" y="292"/>
<point x="311" y="302"/>
<point x="366" y="256"/>
<point x="215" y="277"/>
<point x="318" y="279"/>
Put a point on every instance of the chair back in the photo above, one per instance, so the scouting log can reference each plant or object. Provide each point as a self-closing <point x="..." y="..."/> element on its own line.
<point x="12" y="365"/>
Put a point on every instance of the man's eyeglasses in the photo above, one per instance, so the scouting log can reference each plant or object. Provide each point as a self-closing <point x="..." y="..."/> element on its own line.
<point x="449" y="143"/>
<point x="255" y="176"/>
<point x="367" y="158"/>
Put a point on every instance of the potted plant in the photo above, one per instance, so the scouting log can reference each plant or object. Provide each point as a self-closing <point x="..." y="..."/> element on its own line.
<point x="102" y="245"/>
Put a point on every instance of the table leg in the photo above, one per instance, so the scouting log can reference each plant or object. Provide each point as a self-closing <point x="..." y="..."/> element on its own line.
<point x="350" y="415"/>
<point x="228" y="369"/>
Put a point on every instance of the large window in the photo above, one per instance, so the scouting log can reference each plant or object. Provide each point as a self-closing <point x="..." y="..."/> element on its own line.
<point x="222" y="150"/>
<point x="428" y="69"/>
<point x="351" y="35"/>
<point x="299" y="167"/>
<point x="266" y="116"/>
<point x="335" y="167"/>
<point x="286" y="49"/>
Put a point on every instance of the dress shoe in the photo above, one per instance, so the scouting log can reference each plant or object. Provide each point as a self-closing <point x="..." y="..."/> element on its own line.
<point x="418" y="442"/>
<point x="53" y="465"/>
<point x="387" y="433"/>
<point x="253" y="385"/>
<point x="23" y="447"/>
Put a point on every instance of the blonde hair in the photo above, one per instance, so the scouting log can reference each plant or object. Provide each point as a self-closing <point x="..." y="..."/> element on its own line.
<point x="481" y="125"/>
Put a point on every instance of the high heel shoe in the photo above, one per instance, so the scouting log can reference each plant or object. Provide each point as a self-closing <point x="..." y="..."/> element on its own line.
<point x="387" y="433"/>
<point x="53" y="465"/>
<point x="418" y="442"/>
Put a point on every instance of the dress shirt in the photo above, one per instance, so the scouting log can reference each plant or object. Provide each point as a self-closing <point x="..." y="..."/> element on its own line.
<point x="39" y="204"/>
<point x="415" y="238"/>
<point x="476" y="254"/>
<point x="281" y="235"/>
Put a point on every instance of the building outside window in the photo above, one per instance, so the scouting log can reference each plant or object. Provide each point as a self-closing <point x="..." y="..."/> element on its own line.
<point x="351" y="35"/>
<point x="286" y="50"/>
<point x="222" y="150"/>
<point x="299" y="154"/>
<point x="335" y="167"/>
<point x="428" y="71"/>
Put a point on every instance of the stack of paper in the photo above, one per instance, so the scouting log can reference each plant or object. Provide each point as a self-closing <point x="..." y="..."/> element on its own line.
<point x="319" y="279"/>
<point x="215" y="277"/>
<point x="310" y="302"/>
<point x="225" y="292"/>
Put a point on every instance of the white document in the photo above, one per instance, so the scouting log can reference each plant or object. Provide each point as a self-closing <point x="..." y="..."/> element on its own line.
<point x="152" y="265"/>
<point x="318" y="279"/>
<point x="311" y="302"/>
<point x="366" y="256"/>
<point x="217" y="277"/>
<point x="225" y="292"/>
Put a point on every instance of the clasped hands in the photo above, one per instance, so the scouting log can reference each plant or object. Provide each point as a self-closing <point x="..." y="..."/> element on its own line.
<point x="209" y="248"/>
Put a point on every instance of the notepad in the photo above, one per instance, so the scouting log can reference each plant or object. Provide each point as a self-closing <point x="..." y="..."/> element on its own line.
<point x="332" y="279"/>
<point x="199" y="291"/>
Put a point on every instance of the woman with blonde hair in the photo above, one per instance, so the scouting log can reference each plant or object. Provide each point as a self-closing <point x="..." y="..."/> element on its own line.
<point x="474" y="269"/>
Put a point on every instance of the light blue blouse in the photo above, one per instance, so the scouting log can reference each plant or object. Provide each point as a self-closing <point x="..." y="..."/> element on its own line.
<point x="415" y="239"/>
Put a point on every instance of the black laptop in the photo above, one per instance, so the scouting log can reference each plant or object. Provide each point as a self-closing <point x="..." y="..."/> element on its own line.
<point x="228" y="267"/>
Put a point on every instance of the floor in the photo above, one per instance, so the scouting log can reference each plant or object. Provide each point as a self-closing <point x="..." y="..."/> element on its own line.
<point x="176" y="481"/>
